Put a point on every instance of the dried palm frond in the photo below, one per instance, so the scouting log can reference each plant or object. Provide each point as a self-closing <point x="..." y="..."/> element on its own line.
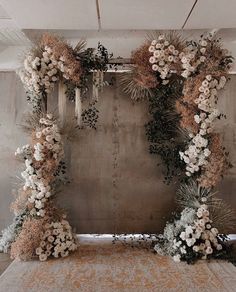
<point x="132" y="87"/>
<point x="80" y="46"/>
<point x="31" y="121"/>
<point x="192" y="195"/>
<point x="70" y="129"/>
<point x="223" y="216"/>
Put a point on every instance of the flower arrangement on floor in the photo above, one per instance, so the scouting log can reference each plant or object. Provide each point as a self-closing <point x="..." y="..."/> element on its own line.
<point x="42" y="225"/>
<point x="40" y="228"/>
<point x="187" y="77"/>
<point x="193" y="234"/>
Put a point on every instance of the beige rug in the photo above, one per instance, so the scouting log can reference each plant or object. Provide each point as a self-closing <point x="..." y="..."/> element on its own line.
<point x="103" y="267"/>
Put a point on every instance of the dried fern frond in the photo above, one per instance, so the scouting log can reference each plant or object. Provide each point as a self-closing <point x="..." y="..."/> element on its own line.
<point x="133" y="88"/>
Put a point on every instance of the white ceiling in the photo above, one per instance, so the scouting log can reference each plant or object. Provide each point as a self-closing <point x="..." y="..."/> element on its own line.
<point x="118" y="14"/>
<point x="213" y="14"/>
<point x="53" y="14"/>
<point x="121" y="25"/>
<point x="140" y="14"/>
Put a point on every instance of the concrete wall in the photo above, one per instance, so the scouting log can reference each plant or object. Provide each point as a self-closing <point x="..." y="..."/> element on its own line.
<point x="116" y="185"/>
<point x="12" y="105"/>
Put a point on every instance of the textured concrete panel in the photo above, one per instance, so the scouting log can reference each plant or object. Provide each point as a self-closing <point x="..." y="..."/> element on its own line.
<point x="116" y="184"/>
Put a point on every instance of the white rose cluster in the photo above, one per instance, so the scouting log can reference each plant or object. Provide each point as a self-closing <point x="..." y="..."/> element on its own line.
<point x="197" y="153"/>
<point x="50" y="142"/>
<point x="166" y="59"/>
<point x="57" y="241"/>
<point x="200" y="236"/>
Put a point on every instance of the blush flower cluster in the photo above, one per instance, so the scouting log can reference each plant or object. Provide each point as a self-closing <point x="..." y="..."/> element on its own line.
<point x="192" y="233"/>
<point x="47" y="150"/>
<point x="167" y="59"/>
<point x="57" y="241"/>
<point x="197" y="153"/>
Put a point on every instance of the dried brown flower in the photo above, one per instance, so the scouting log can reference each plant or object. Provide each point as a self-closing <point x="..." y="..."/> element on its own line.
<point x="145" y="76"/>
<point x="217" y="163"/>
<point x="21" y="201"/>
<point x="28" y="239"/>
<point x="187" y="113"/>
<point x="63" y="51"/>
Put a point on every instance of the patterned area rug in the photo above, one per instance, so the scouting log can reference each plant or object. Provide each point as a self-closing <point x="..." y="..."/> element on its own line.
<point x="103" y="267"/>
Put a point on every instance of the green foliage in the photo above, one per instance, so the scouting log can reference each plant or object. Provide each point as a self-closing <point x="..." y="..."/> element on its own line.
<point x="90" y="116"/>
<point x="92" y="60"/>
<point x="163" y="132"/>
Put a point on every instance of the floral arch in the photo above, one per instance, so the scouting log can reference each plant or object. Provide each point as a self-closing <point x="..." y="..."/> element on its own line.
<point x="181" y="81"/>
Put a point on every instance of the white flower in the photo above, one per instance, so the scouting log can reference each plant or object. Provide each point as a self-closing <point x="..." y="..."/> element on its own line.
<point x="197" y="119"/>
<point x="151" y="49"/>
<point x="156" y="54"/>
<point x="154" y="42"/>
<point x="190" y="241"/>
<point x="177" y="258"/>
<point x="219" y="247"/>
<point x="209" y="77"/>
<point x="171" y="48"/>
<point x="42" y="257"/>
<point x="203" y="43"/>
<point x="154" y="67"/>
<point x="50" y="238"/>
<point x="203" y="50"/>
<point x="209" y="250"/>
<point x="196" y="248"/>
<point x="214" y="231"/>
<point x="188" y="230"/>
<point x="207" y="152"/>
<point x="38" y="251"/>
<point x="152" y="60"/>
<point x="183" y="235"/>
<point x="202" y="59"/>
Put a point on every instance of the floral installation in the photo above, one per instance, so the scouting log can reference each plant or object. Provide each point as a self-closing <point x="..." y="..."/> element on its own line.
<point x="42" y="159"/>
<point x="35" y="211"/>
<point x="183" y="107"/>
<point x="194" y="234"/>
<point x="181" y="80"/>
<point x="40" y="228"/>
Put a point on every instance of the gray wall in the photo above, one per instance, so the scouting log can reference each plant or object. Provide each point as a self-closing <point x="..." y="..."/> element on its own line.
<point x="12" y="106"/>
<point x="116" y="185"/>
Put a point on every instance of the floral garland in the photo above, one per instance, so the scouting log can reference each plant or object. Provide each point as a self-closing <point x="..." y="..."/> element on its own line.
<point x="53" y="60"/>
<point x="40" y="228"/>
<point x="186" y="79"/>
